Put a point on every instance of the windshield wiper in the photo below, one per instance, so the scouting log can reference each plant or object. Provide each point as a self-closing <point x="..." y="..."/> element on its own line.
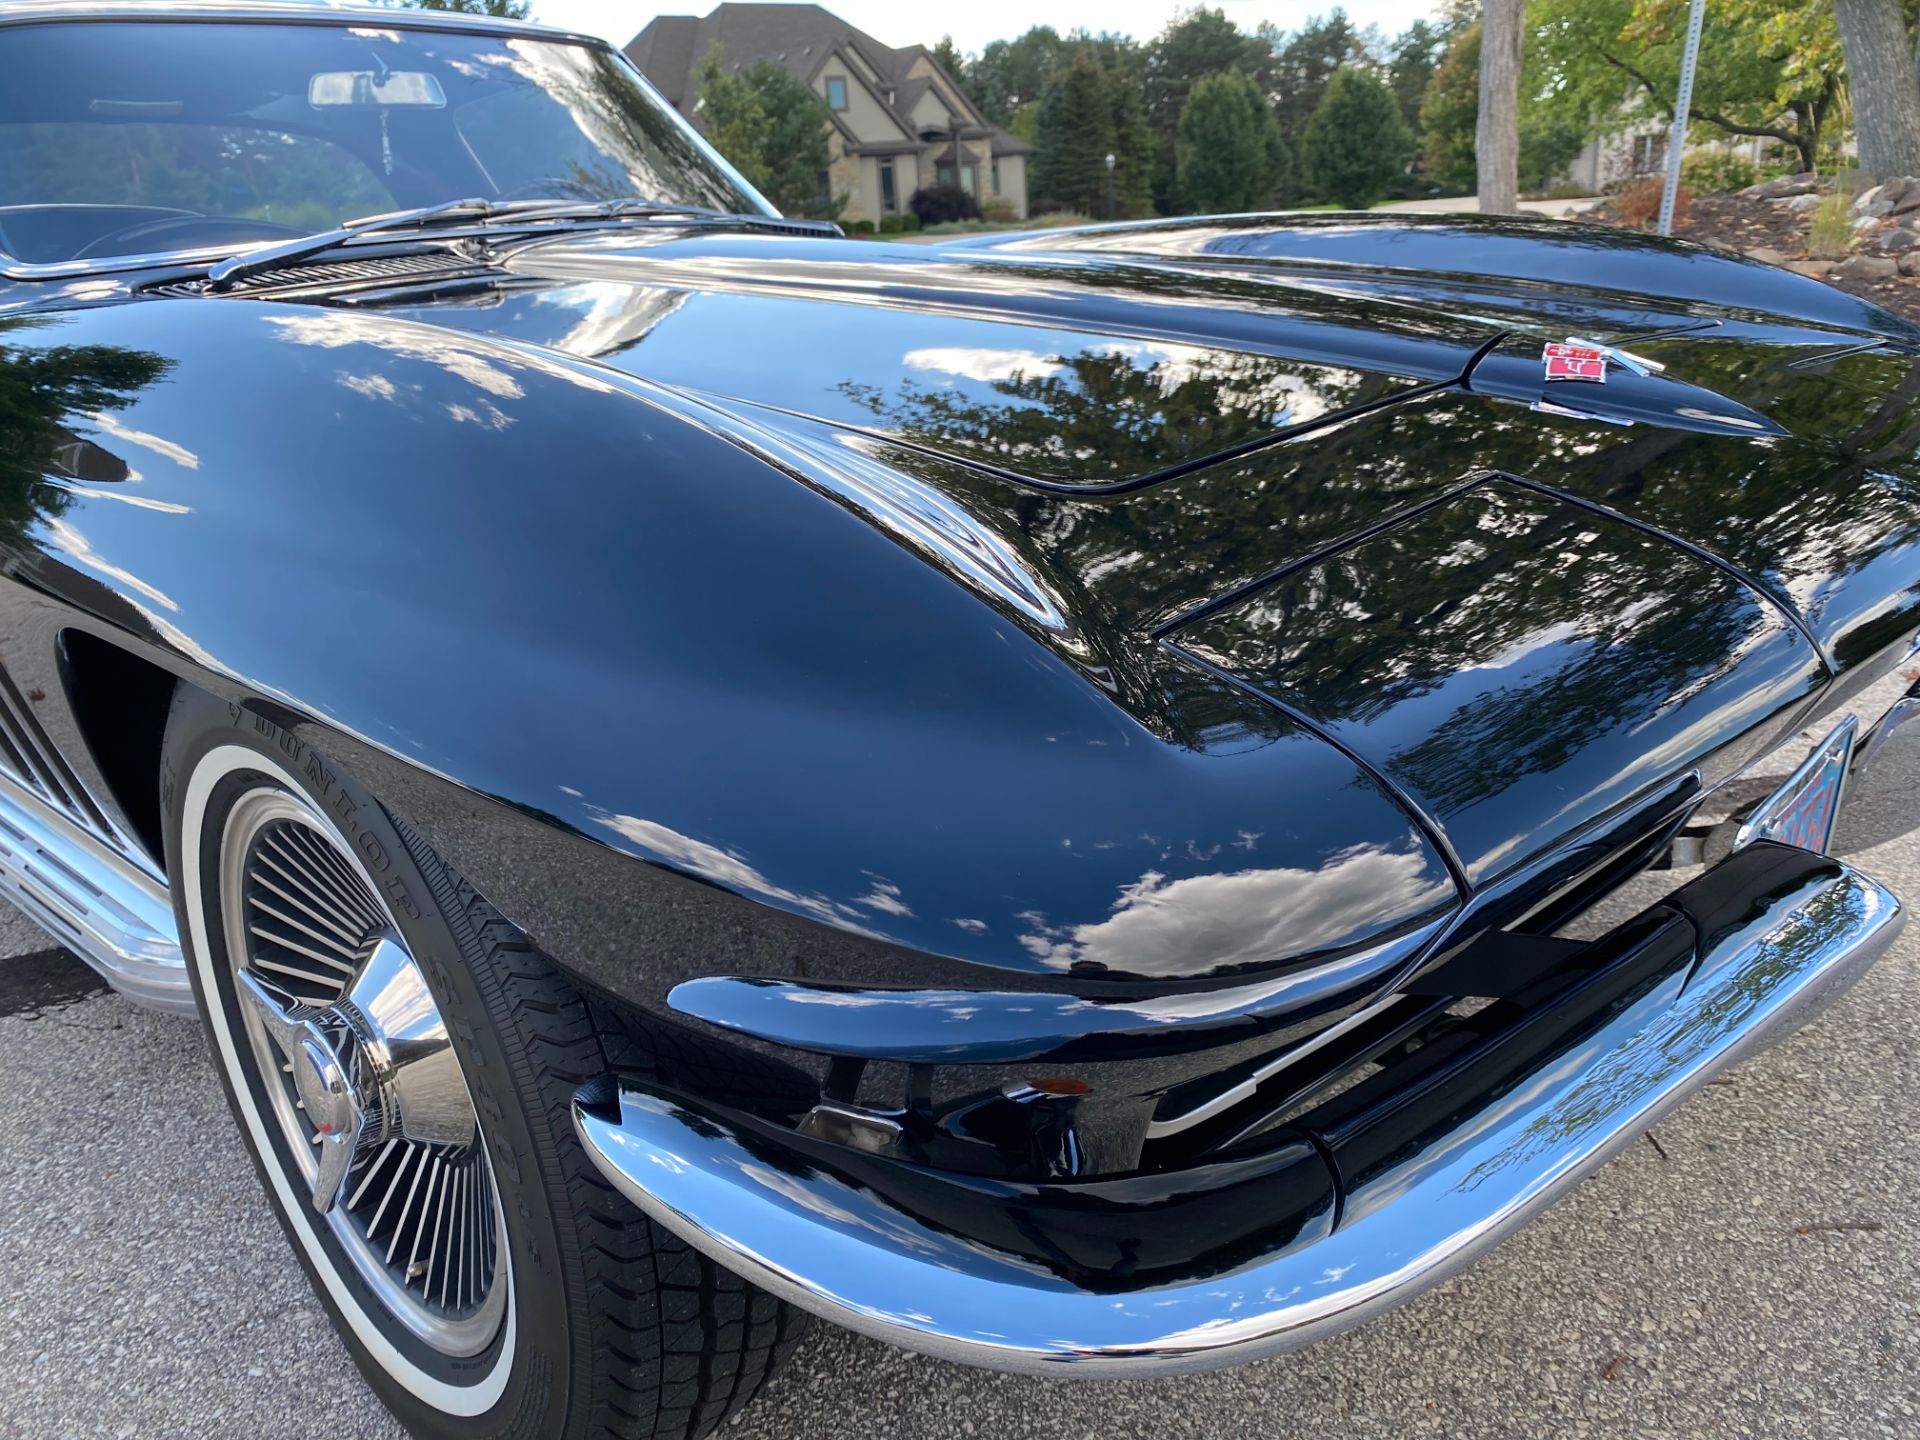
<point x="226" y="273"/>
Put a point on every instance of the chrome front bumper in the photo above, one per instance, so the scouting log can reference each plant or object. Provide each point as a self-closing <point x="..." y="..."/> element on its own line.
<point x="1241" y="1257"/>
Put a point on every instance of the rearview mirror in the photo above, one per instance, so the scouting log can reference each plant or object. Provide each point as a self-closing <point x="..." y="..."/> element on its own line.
<point x="366" y="90"/>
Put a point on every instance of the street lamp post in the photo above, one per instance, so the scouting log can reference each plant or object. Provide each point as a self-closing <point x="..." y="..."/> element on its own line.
<point x="1110" y="196"/>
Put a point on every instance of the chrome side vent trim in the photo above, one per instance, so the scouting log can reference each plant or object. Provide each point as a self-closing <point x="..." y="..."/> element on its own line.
<point x="26" y="751"/>
<point x="106" y="909"/>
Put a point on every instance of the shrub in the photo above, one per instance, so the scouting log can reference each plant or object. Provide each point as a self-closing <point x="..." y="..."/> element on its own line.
<point x="889" y="224"/>
<point x="940" y="204"/>
<point x="859" y="227"/>
<point x="909" y="221"/>
<point x="1639" y="203"/>
<point x="1830" y="232"/>
<point x="1715" y="172"/>
<point x="999" y="210"/>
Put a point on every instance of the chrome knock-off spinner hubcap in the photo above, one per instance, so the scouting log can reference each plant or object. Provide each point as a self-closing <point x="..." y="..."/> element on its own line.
<point x="360" y="1072"/>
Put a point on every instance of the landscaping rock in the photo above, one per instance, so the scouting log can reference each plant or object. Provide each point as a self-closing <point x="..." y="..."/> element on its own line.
<point x="1866" y="197"/>
<point x="1766" y="255"/>
<point x="1818" y="269"/>
<point x="1893" y="242"/>
<point x="1910" y="263"/>
<point x="1866" y="267"/>
<point x="1800" y="203"/>
<point x="1874" y="212"/>
<point x="1896" y="190"/>
<point x="1802" y="184"/>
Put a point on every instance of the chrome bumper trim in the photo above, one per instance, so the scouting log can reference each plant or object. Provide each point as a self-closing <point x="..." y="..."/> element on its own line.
<point x="112" y="914"/>
<point x="1881" y="798"/>
<point x="809" y="1233"/>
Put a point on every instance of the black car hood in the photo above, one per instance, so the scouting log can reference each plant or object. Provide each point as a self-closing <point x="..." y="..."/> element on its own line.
<point x="1334" y="484"/>
<point x="1061" y="371"/>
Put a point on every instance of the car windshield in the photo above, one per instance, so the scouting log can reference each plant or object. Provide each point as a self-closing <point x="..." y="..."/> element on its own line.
<point x="148" y="137"/>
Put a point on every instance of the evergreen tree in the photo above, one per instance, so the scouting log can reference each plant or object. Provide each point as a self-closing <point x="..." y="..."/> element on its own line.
<point x="1306" y="63"/>
<point x="1285" y="184"/>
<point x="1416" y="55"/>
<point x="1356" y="143"/>
<point x="1197" y="44"/>
<point x="947" y="56"/>
<point x="1073" y="133"/>
<point x="1133" y="149"/>
<point x="1225" y="146"/>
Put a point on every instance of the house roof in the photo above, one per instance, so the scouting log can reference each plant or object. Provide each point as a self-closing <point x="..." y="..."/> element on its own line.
<point x="800" y="37"/>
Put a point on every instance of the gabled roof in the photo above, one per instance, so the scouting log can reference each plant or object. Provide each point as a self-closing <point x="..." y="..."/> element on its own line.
<point x="800" y="37"/>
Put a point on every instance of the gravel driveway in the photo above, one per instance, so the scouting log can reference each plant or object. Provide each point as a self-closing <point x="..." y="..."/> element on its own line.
<point x="1751" y="1269"/>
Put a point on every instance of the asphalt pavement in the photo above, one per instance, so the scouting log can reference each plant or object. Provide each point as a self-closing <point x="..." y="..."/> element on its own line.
<point x="1751" y="1268"/>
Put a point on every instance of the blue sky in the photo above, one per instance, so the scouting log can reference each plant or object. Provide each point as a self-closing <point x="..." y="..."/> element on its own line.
<point x="973" y="23"/>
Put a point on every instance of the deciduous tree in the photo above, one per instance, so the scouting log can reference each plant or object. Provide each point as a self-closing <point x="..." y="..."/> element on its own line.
<point x="773" y="129"/>
<point x="1769" y="70"/>
<point x="1497" y="131"/>
<point x="1449" y="119"/>
<point x="1886" y="91"/>
<point x="1009" y="74"/>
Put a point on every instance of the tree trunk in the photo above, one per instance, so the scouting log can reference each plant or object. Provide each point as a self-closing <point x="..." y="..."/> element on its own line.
<point x="1886" y="93"/>
<point x="1497" y="136"/>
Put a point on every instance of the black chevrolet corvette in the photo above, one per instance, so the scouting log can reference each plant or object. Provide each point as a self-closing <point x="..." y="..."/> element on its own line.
<point x="1034" y="797"/>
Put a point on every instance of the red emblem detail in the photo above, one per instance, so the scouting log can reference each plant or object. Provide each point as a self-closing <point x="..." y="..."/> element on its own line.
<point x="1575" y="362"/>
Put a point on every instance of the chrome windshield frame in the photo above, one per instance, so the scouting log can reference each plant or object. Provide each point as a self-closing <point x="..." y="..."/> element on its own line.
<point x="306" y="12"/>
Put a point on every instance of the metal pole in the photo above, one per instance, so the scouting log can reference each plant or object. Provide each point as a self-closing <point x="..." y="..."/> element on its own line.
<point x="1111" y="208"/>
<point x="1677" y="145"/>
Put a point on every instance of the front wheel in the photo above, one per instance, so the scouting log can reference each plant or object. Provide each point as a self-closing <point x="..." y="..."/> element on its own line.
<point x="401" y="1064"/>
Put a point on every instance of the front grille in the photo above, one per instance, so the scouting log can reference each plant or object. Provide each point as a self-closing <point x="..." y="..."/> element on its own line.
<point x="429" y="265"/>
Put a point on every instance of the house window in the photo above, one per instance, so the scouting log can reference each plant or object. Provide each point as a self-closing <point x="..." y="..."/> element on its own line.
<point x="889" y="197"/>
<point x="968" y="180"/>
<point x="996" y="175"/>
<point x="1649" y="153"/>
<point x="837" y="92"/>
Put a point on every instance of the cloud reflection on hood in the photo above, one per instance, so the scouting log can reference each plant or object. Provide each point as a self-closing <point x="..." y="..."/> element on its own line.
<point x="1245" y="917"/>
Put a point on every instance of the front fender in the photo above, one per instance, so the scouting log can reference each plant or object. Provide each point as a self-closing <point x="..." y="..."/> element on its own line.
<point x="649" y="691"/>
